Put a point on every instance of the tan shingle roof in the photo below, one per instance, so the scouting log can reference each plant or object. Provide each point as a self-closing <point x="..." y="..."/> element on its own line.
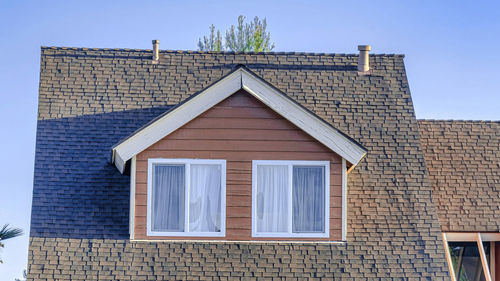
<point x="463" y="160"/>
<point x="91" y="98"/>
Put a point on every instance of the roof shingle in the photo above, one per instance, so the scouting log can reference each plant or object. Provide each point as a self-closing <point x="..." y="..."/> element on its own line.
<point x="91" y="98"/>
<point x="463" y="160"/>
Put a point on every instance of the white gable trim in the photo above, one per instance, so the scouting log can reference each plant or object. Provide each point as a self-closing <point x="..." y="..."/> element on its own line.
<point x="175" y="119"/>
<point x="303" y="119"/>
<point x="239" y="79"/>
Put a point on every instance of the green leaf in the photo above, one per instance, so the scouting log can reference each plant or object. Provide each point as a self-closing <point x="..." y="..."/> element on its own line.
<point x="7" y="232"/>
<point x="244" y="37"/>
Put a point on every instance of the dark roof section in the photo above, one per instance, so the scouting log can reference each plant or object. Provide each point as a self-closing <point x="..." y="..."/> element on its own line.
<point x="463" y="160"/>
<point x="77" y="192"/>
<point x="393" y="229"/>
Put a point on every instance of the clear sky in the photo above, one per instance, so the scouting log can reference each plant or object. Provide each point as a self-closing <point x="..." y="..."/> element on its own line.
<point x="452" y="59"/>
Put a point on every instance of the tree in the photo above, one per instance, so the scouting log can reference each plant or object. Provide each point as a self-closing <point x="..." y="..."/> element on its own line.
<point x="212" y="42"/>
<point x="7" y="232"/>
<point x="244" y="37"/>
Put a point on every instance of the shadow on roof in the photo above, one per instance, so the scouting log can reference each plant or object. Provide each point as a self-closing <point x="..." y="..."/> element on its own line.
<point x="77" y="192"/>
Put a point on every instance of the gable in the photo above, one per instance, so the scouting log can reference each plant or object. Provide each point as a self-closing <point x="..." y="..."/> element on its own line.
<point x="241" y="118"/>
<point x="240" y="78"/>
<point x="239" y="129"/>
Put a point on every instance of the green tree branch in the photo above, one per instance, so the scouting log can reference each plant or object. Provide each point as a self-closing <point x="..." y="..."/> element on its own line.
<point x="245" y="37"/>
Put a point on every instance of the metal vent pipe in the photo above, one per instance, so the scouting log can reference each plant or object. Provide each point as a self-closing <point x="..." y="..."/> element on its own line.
<point x="364" y="58"/>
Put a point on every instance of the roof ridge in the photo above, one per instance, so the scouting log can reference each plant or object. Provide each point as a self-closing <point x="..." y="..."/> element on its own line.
<point x="210" y="52"/>
<point x="459" y="120"/>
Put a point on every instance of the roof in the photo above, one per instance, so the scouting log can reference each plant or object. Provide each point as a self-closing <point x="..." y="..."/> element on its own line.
<point x="90" y="99"/>
<point x="463" y="160"/>
<point x="240" y="78"/>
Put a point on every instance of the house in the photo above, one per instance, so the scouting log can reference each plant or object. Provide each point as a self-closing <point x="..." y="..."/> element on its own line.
<point x="180" y="165"/>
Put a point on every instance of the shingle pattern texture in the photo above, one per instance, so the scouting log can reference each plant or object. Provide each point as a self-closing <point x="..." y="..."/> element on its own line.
<point x="92" y="98"/>
<point x="463" y="160"/>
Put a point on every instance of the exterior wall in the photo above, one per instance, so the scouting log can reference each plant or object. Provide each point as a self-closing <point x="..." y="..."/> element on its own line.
<point x="239" y="129"/>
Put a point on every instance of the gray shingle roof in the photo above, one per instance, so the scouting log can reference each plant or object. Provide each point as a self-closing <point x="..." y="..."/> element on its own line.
<point x="91" y="98"/>
<point x="463" y="160"/>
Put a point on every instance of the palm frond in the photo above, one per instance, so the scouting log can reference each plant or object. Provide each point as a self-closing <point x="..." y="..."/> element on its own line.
<point x="7" y="232"/>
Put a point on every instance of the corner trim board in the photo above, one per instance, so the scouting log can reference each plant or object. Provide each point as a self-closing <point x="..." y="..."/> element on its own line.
<point x="344" y="200"/>
<point x="132" y="198"/>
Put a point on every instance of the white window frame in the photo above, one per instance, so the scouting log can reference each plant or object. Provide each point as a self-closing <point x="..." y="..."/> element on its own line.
<point x="187" y="164"/>
<point x="290" y="164"/>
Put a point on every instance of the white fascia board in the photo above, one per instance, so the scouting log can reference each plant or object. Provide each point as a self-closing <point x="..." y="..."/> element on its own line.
<point x="239" y="79"/>
<point x="119" y="162"/>
<point x="176" y="119"/>
<point x="303" y="119"/>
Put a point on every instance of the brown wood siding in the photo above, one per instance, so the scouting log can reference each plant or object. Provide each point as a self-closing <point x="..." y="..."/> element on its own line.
<point x="240" y="129"/>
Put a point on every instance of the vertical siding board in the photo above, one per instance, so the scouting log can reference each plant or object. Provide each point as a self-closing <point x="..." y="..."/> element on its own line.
<point x="240" y="129"/>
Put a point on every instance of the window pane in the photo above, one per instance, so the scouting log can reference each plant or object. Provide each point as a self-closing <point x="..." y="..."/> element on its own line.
<point x="168" y="198"/>
<point x="272" y="198"/>
<point x="205" y="198"/>
<point x="467" y="261"/>
<point x="308" y="199"/>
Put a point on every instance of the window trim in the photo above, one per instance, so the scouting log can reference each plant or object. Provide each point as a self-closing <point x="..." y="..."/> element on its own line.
<point x="187" y="163"/>
<point x="290" y="164"/>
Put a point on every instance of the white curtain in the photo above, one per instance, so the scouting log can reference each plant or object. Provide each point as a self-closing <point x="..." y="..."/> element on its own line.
<point x="272" y="198"/>
<point x="205" y="198"/>
<point x="168" y="198"/>
<point x="308" y="199"/>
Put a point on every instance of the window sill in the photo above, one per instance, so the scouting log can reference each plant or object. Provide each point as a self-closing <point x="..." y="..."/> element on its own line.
<point x="290" y="235"/>
<point x="201" y="240"/>
<point x="186" y="234"/>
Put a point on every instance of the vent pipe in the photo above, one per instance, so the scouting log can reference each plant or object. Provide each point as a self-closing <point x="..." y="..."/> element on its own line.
<point x="156" y="51"/>
<point x="364" y="59"/>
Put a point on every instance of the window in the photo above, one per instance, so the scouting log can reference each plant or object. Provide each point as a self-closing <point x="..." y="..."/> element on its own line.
<point x="186" y="197"/>
<point x="290" y="198"/>
<point x="471" y="255"/>
<point x="466" y="260"/>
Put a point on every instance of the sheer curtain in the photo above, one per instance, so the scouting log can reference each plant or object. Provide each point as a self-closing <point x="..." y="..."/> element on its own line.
<point x="168" y="198"/>
<point x="205" y="198"/>
<point x="272" y="198"/>
<point x="308" y="199"/>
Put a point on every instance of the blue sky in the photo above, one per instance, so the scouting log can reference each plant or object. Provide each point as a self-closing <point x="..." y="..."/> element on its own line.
<point x="451" y="48"/>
